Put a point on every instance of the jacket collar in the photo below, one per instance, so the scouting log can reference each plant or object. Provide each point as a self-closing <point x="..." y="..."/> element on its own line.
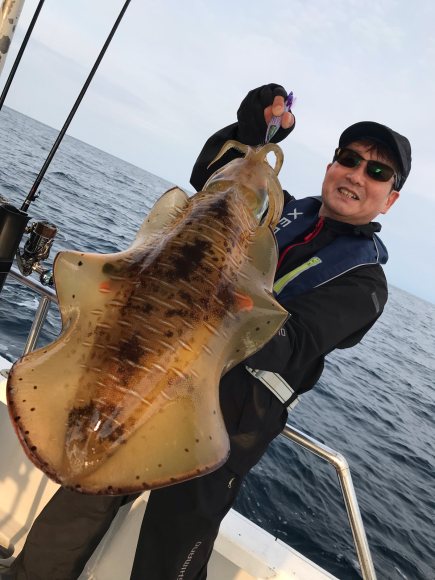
<point x="345" y="229"/>
<point x="341" y="228"/>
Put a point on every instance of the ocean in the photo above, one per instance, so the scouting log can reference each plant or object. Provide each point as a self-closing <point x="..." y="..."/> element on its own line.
<point x="375" y="403"/>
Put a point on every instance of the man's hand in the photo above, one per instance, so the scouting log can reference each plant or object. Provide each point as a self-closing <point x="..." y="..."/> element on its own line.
<point x="276" y="110"/>
<point x="257" y="109"/>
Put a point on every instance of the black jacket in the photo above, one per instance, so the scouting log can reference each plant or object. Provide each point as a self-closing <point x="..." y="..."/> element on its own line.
<point x="336" y="314"/>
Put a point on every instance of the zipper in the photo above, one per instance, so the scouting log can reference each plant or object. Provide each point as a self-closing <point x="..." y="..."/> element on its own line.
<point x="306" y="239"/>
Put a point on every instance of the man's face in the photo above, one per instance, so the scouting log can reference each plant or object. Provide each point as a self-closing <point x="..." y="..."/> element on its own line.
<point x="350" y="195"/>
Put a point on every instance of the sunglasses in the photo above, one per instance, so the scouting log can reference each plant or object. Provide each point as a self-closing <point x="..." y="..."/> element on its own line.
<point x="374" y="169"/>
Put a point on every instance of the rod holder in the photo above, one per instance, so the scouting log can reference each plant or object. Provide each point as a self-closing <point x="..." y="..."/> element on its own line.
<point x="13" y="222"/>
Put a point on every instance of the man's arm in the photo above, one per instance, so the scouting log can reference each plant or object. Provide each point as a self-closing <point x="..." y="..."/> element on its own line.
<point x="253" y="116"/>
<point x="335" y="315"/>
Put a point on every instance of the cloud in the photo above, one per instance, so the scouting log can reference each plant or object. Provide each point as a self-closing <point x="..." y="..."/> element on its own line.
<point x="176" y="72"/>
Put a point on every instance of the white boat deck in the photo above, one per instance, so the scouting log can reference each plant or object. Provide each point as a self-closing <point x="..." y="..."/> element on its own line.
<point x="243" y="551"/>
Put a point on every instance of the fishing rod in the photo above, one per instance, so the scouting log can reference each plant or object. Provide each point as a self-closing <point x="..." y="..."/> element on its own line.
<point x="13" y="221"/>
<point x="30" y="196"/>
<point x="20" y="54"/>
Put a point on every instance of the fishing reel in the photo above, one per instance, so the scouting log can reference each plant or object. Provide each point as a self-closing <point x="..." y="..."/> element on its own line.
<point x="37" y="249"/>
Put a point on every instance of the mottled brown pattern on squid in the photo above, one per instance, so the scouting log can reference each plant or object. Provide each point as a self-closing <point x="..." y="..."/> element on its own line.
<point x="161" y="305"/>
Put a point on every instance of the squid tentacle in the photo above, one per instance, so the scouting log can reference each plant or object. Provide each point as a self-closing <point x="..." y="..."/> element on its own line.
<point x="231" y="145"/>
<point x="271" y="147"/>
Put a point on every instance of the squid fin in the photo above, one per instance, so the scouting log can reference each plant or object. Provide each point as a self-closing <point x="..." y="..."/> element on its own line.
<point x="166" y="209"/>
<point x="258" y="322"/>
<point x="185" y="438"/>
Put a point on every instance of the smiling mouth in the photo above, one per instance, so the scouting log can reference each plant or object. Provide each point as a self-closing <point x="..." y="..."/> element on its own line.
<point x="347" y="193"/>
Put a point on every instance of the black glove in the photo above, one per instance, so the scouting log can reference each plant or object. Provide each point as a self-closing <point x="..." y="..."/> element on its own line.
<point x="251" y="124"/>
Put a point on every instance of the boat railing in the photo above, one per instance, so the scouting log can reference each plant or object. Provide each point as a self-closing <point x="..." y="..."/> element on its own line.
<point x="309" y="443"/>
<point x="347" y="489"/>
<point x="47" y="295"/>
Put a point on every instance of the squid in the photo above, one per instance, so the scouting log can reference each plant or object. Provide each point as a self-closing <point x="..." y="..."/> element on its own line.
<point x="127" y="397"/>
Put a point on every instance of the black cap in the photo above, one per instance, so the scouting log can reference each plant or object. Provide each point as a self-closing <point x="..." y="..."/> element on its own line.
<point x="399" y="145"/>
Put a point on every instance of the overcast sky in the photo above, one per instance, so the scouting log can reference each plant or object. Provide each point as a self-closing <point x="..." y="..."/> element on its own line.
<point x="177" y="71"/>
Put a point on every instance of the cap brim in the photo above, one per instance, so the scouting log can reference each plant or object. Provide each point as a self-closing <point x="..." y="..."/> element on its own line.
<point x="375" y="132"/>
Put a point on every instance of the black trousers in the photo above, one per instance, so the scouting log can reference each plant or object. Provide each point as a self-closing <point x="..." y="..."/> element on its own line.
<point x="181" y="521"/>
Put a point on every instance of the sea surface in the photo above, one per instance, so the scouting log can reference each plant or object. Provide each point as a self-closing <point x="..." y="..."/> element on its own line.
<point x="375" y="403"/>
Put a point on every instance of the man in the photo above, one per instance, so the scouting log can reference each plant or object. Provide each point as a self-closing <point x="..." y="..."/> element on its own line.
<point x="329" y="278"/>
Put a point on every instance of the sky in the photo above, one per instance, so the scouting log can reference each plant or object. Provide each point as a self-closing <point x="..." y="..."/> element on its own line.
<point x="176" y="72"/>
